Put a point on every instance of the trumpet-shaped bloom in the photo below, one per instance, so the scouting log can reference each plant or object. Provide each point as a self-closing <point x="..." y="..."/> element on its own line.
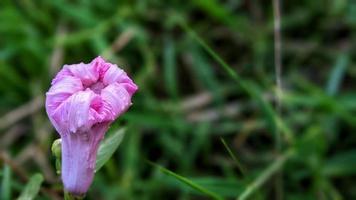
<point x="81" y="103"/>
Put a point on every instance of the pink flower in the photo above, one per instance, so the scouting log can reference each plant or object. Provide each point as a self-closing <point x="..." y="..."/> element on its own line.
<point x="81" y="104"/>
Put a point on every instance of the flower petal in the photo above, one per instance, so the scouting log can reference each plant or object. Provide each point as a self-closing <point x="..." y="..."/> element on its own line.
<point x="117" y="98"/>
<point x="101" y="66"/>
<point x="61" y="74"/>
<point x="79" y="152"/>
<point x="117" y="75"/>
<point x="75" y="113"/>
<point x="62" y="89"/>
<point x="85" y="72"/>
<point x="113" y="74"/>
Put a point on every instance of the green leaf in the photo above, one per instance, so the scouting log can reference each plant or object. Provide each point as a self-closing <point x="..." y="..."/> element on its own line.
<point x="6" y="184"/>
<point x="108" y="147"/>
<point x="170" y="68"/>
<point x="188" y="182"/>
<point x="32" y="187"/>
<point x="227" y="188"/>
<point x="337" y="74"/>
<point x="341" y="164"/>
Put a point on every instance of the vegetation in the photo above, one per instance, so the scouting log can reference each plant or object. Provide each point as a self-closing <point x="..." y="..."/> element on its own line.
<point x="208" y="121"/>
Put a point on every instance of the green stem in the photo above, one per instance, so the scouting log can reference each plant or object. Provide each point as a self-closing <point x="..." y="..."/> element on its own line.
<point x="69" y="196"/>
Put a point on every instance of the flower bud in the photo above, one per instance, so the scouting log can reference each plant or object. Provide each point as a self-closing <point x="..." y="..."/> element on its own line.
<point x="83" y="100"/>
<point x="56" y="148"/>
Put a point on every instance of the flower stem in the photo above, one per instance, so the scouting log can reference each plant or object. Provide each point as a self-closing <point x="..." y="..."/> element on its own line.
<point x="69" y="196"/>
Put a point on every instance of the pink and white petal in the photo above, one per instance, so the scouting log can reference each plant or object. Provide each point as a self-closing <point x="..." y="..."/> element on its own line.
<point x="117" y="75"/>
<point x="55" y="100"/>
<point x="61" y="74"/>
<point x="74" y="114"/>
<point x="87" y="73"/>
<point x="67" y="84"/>
<point x="114" y="74"/>
<point x="130" y="86"/>
<point x="100" y="65"/>
<point x="117" y="98"/>
<point x="99" y="110"/>
<point x="60" y="91"/>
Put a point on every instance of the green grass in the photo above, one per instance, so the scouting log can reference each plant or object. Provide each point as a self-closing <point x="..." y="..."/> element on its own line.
<point x="205" y="69"/>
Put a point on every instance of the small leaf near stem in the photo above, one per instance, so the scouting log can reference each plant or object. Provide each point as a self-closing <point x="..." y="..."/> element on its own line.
<point x="56" y="151"/>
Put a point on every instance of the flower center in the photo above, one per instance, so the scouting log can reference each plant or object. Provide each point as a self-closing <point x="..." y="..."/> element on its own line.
<point x="97" y="87"/>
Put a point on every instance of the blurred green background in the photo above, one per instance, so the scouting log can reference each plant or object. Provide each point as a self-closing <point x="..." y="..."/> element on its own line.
<point x="205" y="109"/>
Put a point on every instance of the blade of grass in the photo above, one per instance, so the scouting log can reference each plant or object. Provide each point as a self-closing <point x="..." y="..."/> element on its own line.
<point x="273" y="120"/>
<point x="238" y="164"/>
<point x="203" y="71"/>
<point x="341" y="164"/>
<point x="337" y="74"/>
<point x="278" y="63"/>
<point x="186" y="181"/>
<point x="6" y="183"/>
<point x="279" y="93"/>
<point x="326" y="101"/>
<point x="226" y="187"/>
<point x="32" y="188"/>
<point x="240" y="24"/>
<point x="265" y="175"/>
<point x="170" y="68"/>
